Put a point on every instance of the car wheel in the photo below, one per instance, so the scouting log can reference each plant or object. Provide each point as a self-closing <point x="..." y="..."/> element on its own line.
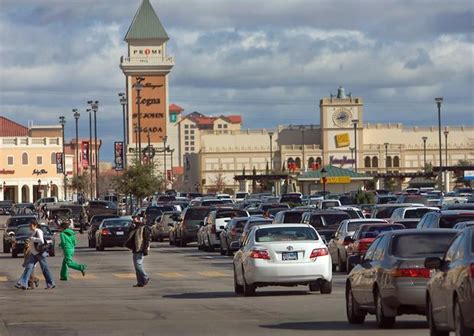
<point x="101" y="248"/>
<point x="211" y="247"/>
<point x="14" y="253"/>
<point x="354" y="314"/>
<point x="460" y="327"/>
<point x="342" y="265"/>
<point x="238" y="289"/>
<point x="326" y="287"/>
<point x="431" y="322"/>
<point x="383" y="321"/>
<point x="6" y="247"/>
<point x="314" y="286"/>
<point x="249" y="290"/>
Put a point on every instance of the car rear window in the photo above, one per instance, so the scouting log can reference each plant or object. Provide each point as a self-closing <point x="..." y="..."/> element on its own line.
<point x="416" y="213"/>
<point x="415" y="199"/>
<point x="292" y="217"/>
<point x="374" y="231"/>
<point x="332" y="219"/>
<point x="117" y="223"/>
<point x="329" y="204"/>
<point x="99" y="219"/>
<point x="19" y="221"/>
<point x="196" y="214"/>
<point x="263" y="222"/>
<point x="421" y="245"/>
<point x="448" y="222"/>
<point x="279" y="234"/>
<point x="231" y="214"/>
<point x="384" y="212"/>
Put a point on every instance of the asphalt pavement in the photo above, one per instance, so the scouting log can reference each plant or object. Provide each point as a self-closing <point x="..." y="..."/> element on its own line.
<point x="190" y="293"/>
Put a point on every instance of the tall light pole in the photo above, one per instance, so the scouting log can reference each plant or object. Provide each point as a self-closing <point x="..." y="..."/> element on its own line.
<point x="62" y="122"/>
<point x="76" y="117"/>
<point x="139" y="87"/>
<point x="91" y="183"/>
<point x="123" y="102"/>
<point x="324" y="180"/>
<point x="439" y="101"/>
<point x="171" y="152"/>
<point x="302" y="146"/>
<point x="446" y="132"/>
<point x="270" y="134"/>
<point x="165" y="138"/>
<point x="135" y="127"/>
<point x="352" y="156"/>
<point x="95" y="107"/>
<point x="355" y="122"/>
<point x="424" y="152"/>
<point x="386" y="156"/>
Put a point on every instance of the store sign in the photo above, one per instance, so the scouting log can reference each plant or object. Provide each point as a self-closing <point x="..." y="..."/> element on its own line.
<point x="469" y="175"/>
<point x="342" y="140"/>
<point x="7" y="172"/>
<point x="146" y="52"/>
<point x="337" y="180"/>
<point x="345" y="160"/>
<point x="38" y="172"/>
<point x="85" y="154"/>
<point x="118" y="155"/>
<point x="59" y="163"/>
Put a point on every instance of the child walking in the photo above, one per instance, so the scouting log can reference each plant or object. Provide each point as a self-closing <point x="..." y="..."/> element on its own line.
<point x="68" y="244"/>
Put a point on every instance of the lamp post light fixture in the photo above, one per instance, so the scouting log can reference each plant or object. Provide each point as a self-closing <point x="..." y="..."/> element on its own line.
<point x="324" y="180"/>
<point x="446" y="132"/>
<point x="123" y="102"/>
<point x="355" y="122"/>
<point x="424" y="152"/>
<point x="90" y="153"/>
<point x="95" y="107"/>
<point x="62" y="122"/>
<point x="439" y="101"/>
<point x="270" y="134"/>
<point x="139" y="87"/>
<point x="386" y="156"/>
<point x="76" y="117"/>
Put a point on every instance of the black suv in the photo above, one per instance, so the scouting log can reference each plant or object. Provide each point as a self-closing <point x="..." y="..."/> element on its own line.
<point x="12" y="223"/>
<point x="94" y="225"/>
<point x="190" y="222"/>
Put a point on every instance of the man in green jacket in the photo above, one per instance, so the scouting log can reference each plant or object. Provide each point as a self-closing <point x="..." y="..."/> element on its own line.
<point x="68" y="243"/>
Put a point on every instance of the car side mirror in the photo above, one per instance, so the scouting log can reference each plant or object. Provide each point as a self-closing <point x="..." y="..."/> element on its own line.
<point x="433" y="263"/>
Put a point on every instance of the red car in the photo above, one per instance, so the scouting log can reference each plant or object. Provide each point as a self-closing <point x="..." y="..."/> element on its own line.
<point x="360" y="241"/>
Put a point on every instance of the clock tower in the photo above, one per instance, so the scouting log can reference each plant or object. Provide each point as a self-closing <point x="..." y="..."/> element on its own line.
<point x="338" y="114"/>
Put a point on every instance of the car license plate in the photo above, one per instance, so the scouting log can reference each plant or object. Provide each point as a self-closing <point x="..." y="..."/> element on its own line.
<point x="285" y="256"/>
<point x="119" y="233"/>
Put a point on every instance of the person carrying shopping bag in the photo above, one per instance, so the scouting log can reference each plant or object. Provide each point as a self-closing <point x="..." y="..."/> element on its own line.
<point x="68" y="244"/>
<point x="138" y="242"/>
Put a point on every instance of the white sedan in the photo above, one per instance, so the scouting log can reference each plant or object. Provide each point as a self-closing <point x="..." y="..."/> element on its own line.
<point x="282" y="255"/>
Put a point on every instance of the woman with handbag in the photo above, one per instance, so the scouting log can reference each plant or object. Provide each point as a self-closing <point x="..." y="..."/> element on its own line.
<point x="38" y="254"/>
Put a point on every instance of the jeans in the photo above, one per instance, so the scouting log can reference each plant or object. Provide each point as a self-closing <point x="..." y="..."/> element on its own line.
<point x="142" y="277"/>
<point x="29" y="267"/>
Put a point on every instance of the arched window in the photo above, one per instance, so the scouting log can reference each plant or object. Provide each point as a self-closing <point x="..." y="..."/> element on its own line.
<point x="298" y="162"/>
<point x="290" y="161"/>
<point x="311" y="162"/>
<point x="367" y="162"/>
<point x="319" y="160"/>
<point x="375" y="162"/>
<point x="389" y="161"/>
<point x="396" y="161"/>
<point x="53" y="158"/>
<point x="24" y="158"/>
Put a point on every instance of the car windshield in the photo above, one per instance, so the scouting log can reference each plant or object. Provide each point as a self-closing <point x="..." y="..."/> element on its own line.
<point x="292" y="217"/>
<point x="329" y="204"/>
<point x="279" y="234"/>
<point x="416" y="213"/>
<point x="19" y="221"/>
<point x="116" y="223"/>
<point x="448" y="222"/>
<point x="252" y="224"/>
<point x="231" y="214"/>
<point x="23" y="231"/>
<point x="196" y="214"/>
<point x="332" y="219"/>
<point x="421" y="245"/>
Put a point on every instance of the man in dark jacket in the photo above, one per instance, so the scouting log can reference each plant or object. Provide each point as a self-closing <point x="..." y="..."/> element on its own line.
<point x="138" y="242"/>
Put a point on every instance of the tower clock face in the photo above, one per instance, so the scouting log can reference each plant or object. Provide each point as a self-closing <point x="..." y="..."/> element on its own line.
<point x="342" y="117"/>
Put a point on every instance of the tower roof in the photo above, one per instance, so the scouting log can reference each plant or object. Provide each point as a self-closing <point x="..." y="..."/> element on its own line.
<point x="146" y="25"/>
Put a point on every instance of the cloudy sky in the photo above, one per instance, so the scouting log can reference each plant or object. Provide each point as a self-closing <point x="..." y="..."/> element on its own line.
<point x="269" y="60"/>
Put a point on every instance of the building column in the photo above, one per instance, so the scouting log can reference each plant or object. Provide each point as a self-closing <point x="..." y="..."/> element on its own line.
<point x="2" y="194"/>
<point x="30" y="193"/>
<point x="447" y="181"/>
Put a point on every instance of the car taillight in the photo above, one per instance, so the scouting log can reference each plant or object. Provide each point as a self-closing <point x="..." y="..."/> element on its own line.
<point x="471" y="270"/>
<point x="105" y="232"/>
<point x="213" y="229"/>
<point x="412" y="273"/>
<point x="362" y="245"/>
<point x="319" y="252"/>
<point x="260" y="254"/>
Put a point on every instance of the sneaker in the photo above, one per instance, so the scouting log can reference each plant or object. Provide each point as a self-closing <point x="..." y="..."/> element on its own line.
<point x="137" y="285"/>
<point x="83" y="271"/>
<point x="20" y="286"/>
<point x="50" y="287"/>
<point x="63" y="279"/>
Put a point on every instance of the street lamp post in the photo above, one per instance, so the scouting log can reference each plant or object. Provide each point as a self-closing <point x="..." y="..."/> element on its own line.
<point x="270" y="134"/>
<point x="439" y="101"/>
<point x="76" y="117"/>
<point x="136" y="142"/>
<point x="95" y="108"/>
<point x="324" y="179"/>
<point x="165" y="138"/>
<point x="91" y="184"/>
<point x="386" y="156"/>
<point x="123" y="102"/>
<point x="424" y="152"/>
<point x="446" y="132"/>
<point x="139" y="87"/>
<point x="352" y="156"/>
<point x="171" y="153"/>
<point x="355" y="122"/>
<point x="62" y="122"/>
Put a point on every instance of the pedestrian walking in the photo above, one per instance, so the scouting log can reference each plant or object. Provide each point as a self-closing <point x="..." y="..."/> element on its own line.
<point x="68" y="244"/>
<point x="44" y="211"/>
<point x="38" y="254"/>
<point x="138" y="242"/>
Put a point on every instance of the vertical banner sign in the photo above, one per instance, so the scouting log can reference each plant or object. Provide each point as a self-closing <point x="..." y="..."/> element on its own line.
<point x="118" y="153"/>
<point x="59" y="163"/>
<point x="85" y="154"/>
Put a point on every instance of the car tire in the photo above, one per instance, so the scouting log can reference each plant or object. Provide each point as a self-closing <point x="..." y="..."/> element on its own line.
<point x="238" y="289"/>
<point x="382" y="321"/>
<point x="211" y="247"/>
<point x="342" y="265"/>
<point x="326" y="287"/>
<point x="314" y="286"/>
<point x="249" y="290"/>
<point x="6" y="247"/>
<point x="14" y="253"/>
<point x="101" y="248"/>
<point x="434" y="331"/>
<point x="354" y="314"/>
<point x="183" y="243"/>
<point x="459" y="326"/>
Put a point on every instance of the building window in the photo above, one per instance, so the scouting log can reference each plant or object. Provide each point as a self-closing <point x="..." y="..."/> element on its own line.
<point x="186" y="143"/>
<point x="186" y="132"/>
<point x="186" y="137"/>
<point x="192" y="143"/>
<point x="192" y="132"/>
<point x="186" y="126"/>
<point x="298" y="162"/>
<point x="388" y="162"/>
<point x="396" y="161"/>
<point x="192" y="126"/>
<point x="173" y="117"/>
<point x="290" y="162"/>
<point x="375" y="162"/>
<point x="225" y="125"/>
<point x="319" y="161"/>
<point x="192" y="137"/>
<point x="219" y="126"/>
<point x="192" y="149"/>
<point x="53" y="158"/>
<point x="39" y="160"/>
<point x="186" y="149"/>
<point x="367" y="162"/>
<point x="10" y="160"/>
<point x="24" y="158"/>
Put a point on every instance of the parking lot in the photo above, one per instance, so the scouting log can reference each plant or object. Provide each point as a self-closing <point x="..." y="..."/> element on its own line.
<point x="190" y="293"/>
